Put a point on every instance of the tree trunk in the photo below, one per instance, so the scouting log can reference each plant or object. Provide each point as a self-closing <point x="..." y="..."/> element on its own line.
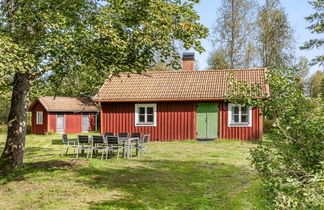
<point x="13" y="153"/>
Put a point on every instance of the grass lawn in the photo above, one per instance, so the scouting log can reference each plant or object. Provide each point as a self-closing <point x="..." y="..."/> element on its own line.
<point x="174" y="175"/>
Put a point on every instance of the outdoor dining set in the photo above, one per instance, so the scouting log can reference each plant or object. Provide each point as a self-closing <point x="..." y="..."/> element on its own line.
<point x="107" y="144"/>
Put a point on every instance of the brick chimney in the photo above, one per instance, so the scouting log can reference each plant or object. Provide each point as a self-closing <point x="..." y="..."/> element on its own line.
<point x="188" y="61"/>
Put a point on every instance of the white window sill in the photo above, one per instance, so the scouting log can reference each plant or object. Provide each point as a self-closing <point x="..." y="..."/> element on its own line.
<point x="140" y="125"/>
<point x="239" y="125"/>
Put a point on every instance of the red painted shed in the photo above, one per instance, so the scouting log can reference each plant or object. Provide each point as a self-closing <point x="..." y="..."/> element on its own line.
<point x="63" y="115"/>
<point x="180" y="105"/>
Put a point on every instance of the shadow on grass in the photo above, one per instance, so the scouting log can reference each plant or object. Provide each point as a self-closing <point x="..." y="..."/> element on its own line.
<point x="57" y="142"/>
<point x="156" y="184"/>
<point x="171" y="184"/>
<point x="40" y="166"/>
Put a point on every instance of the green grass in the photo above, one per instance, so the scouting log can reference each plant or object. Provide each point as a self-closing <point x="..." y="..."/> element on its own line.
<point x="174" y="175"/>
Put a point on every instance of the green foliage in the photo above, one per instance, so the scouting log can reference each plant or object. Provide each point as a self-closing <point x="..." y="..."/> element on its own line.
<point x="217" y="60"/>
<point x="234" y="33"/>
<point x="71" y="47"/>
<point x="316" y="84"/>
<point x="316" y="26"/>
<point x="291" y="162"/>
<point x="274" y="35"/>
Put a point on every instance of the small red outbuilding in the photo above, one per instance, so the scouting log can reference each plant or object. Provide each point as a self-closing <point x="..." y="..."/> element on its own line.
<point x="63" y="115"/>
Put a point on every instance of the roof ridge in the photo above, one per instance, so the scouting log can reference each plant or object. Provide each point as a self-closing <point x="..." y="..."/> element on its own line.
<point x="196" y="71"/>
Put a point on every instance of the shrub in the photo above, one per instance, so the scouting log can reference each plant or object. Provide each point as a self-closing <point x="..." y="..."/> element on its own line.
<point x="49" y="132"/>
<point x="267" y="125"/>
<point x="291" y="163"/>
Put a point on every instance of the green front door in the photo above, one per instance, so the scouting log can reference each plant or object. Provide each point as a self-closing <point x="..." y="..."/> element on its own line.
<point x="207" y="120"/>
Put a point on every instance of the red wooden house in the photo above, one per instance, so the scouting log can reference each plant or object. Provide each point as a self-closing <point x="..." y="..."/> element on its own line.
<point x="179" y="105"/>
<point x="63" y="115"/>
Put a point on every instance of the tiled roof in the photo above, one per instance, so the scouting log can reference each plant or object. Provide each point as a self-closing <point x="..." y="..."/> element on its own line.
<point x="176" y="85"/>
<point x="66" y="104"/>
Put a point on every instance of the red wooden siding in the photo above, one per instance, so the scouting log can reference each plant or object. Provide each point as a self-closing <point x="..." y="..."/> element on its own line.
<point x="175" y="121"/>
<point x="72" y="123"/>
<point x="52" y="122"/>
<point x="243" y="133"/>
<point x="92" y="121"/>
<point x="39" y="129"/>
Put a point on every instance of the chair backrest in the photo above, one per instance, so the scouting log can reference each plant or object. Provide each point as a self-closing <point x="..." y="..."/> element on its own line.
<point x="112" y="140"/>
<point x="123" y="135"/>
<point x="146" y="138"/>
<point x="97" y="139"/>
<point x="65" y="139"/>
<point x="109" y="134"/>
<point x="83" y="139"/>
<point x="136" y="135"/>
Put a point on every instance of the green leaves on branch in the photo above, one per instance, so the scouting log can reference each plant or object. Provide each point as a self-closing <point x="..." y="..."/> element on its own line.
<point x="290" y="162"/>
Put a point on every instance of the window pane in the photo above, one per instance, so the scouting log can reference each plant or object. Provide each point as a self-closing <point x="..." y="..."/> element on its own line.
<point x="244" y="110"/>
<point x="142" y="110"/>
<point x="235" y="110"/>
<point x="149" y="110"/>
<point x="141" y="118"/>
<point x="236" y="118"/>
<point x="150" y="118"/>
<point x="244" y="118"/>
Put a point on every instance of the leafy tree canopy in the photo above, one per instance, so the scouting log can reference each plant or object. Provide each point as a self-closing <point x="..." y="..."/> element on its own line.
<point x="85" y="40"/>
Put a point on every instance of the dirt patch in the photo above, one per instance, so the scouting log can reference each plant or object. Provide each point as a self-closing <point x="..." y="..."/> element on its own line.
<point x="59" y="164"/>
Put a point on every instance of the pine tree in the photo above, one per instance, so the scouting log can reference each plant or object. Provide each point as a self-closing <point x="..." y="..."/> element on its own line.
<point x="317" y="27"/>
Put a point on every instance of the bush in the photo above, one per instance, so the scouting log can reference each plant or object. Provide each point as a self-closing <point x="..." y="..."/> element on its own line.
<point x="268" y="125"/>
<point x="291" y="164"/>
<point x="49" y="132"/>
<point x="29" y="129"/>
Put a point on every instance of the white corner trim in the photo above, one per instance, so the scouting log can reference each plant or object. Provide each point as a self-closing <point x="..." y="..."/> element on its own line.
<point x="137" y="114"/>
<point x="229" y="113"/>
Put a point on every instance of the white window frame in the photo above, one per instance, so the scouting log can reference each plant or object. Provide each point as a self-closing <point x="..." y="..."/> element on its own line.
<point x="137" y="123"/>
<point x="239" y="124"/>
<point x="39" y="118"/>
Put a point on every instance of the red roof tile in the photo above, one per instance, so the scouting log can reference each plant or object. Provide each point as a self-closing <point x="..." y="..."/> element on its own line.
<point x="176" y="85"/>
<point x="66" y="104"/>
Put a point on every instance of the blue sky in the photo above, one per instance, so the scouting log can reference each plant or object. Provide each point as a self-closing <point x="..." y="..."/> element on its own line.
<point x="297" y="10"/>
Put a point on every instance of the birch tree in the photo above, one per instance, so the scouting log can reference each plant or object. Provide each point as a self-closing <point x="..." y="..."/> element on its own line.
<point x="234" y="32"/>
<point x="274" y="35"/>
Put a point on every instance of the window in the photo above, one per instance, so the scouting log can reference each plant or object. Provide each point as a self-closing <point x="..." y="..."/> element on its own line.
<point x="239" y="115"/>
<point x="39" y="118"/>
<point x="145" y="114"/>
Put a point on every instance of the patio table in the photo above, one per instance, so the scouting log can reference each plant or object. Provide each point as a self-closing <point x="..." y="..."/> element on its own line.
<point x="128" y="142"/>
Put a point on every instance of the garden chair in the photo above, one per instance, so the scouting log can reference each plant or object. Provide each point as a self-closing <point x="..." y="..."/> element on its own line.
<point x="84" y="143"/>
<point x="123" y="136"/>
<point x="138" y="136"/>
<point x="141" y="145"/>
<point x="114" y="144"/>
<point x="98" y="143"/>
<point x="67" y="143"/>
<point x="108" y="134"/>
